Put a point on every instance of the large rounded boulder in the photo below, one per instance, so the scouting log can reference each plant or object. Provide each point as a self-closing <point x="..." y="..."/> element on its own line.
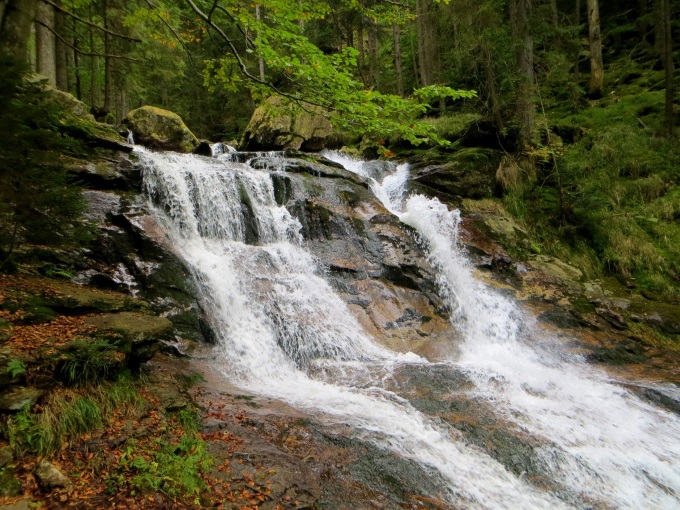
<point x="278" y="126"/>
<point x="160" y="129"/>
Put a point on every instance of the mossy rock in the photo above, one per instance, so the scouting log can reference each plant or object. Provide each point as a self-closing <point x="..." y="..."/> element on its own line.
<point x="10" y="486"/>
<point x="555" y="268"/>
<point x="77" y="122"/>
<point x="160" y="129"/>
<point x="74" y="298"/>
<point x="276" y="126"/>
<point x="468" y="173"/>
<point x="132" y="326"/>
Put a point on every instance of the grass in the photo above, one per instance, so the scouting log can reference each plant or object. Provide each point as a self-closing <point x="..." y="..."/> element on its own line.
<point x="609" y="201"/>
<point x="89" y="361"/>
<point x="69" y="414"/>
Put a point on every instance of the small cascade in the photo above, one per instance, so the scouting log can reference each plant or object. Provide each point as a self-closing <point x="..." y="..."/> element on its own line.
<point x="605" y="446"/>
<point x="130" y="138"/>
<point x="283" y="332"/>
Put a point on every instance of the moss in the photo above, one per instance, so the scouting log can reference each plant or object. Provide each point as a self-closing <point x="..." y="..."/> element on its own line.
<point x="10" y="486"/>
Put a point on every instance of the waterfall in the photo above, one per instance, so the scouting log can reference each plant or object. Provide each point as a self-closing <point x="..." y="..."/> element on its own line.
<point x="284" y="333"/>
<point x="609" y="448"/>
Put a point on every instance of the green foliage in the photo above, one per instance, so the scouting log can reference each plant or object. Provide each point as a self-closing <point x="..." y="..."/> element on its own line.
<point x="188" y="419"/>
<point x="88" y="361"/>
<point x="174" y="468"/>
<point x="69" y="415"/>
<point x="37" y="203"/>
<point x="16" y="368"/>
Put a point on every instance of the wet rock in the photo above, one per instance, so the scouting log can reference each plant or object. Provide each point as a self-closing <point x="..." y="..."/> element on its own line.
<point x="160" y="129"/>
<point x="468" y="173"/>
<point x="130" y="255"/>
<point x="112" y="170"/>
<point x="49" y="477"/>
<point x="276" y="126"/>
<point x="203" y="149"/>
<point x="560" y="318"/>
<point x="16" y="399"/>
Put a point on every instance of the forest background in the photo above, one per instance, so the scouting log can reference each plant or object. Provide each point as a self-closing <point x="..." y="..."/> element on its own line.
<point x="578" y="96"/>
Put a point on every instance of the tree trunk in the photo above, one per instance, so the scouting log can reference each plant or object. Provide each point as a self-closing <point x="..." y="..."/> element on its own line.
<point x="396" y="34"/>
<point x="258" y="17"/>
<point x="596" y="85"/>
<point x="61" y="50"/>
<point x="45" y="47"/>
<point x="94" y="69"/>
<point x="492" y="89"/>
<point x="577" y="60"/>
<point x="520" y="12"/>
<point x="427" y="47"/>
<point x="15" y="27"/>
<point x="373" y="53"/>
<point x="108" y="62"/>
<point x="666" y="34"/>
<point x="76" y="62"/>
<point x="361" y="59"/>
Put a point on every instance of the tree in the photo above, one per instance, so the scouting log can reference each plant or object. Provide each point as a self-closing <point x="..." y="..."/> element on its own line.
<point x="596" y="85"/>
<point x="327" y="82"/>
<point x="15" y="26"/>
<point x="520" y="12"/>
<point x="46" y="56"/>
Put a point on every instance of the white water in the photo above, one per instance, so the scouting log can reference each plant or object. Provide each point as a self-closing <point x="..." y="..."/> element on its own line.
<point x="608" y="448"/>
<point x="282" y="329"/>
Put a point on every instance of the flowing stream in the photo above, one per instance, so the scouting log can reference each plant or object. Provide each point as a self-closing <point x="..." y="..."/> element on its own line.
<point x="283" y="332"/>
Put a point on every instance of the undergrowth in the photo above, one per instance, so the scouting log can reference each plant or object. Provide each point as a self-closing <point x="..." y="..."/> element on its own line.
<point x="69" y="414"/>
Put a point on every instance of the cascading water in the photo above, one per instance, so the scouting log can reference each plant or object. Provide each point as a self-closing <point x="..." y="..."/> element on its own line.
<point x="605" y="446"/>
<point x="283" y="332"/>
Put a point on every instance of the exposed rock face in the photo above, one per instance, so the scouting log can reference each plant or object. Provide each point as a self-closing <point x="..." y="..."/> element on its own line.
<point x="160" y="129"/>
<point x="275" y="127"/>
<point x="373" y="260"/>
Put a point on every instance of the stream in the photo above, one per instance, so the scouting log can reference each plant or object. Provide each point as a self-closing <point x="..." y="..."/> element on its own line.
<point x="284" y="332"/>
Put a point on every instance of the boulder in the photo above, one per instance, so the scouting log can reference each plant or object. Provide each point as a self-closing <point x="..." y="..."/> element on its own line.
<point x="468" y="173"/>
<point x="276" y="126"/>
<point x="135" y="327"/>
<point x="143" y="332"/>
<point x="49" y="477"/>
<point x="78" y="122"/>
<point x="15" y="399"/>
<point x="160" y="129"/>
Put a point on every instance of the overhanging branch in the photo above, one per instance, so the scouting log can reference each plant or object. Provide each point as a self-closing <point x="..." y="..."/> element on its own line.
<point x="89" y="23"/>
